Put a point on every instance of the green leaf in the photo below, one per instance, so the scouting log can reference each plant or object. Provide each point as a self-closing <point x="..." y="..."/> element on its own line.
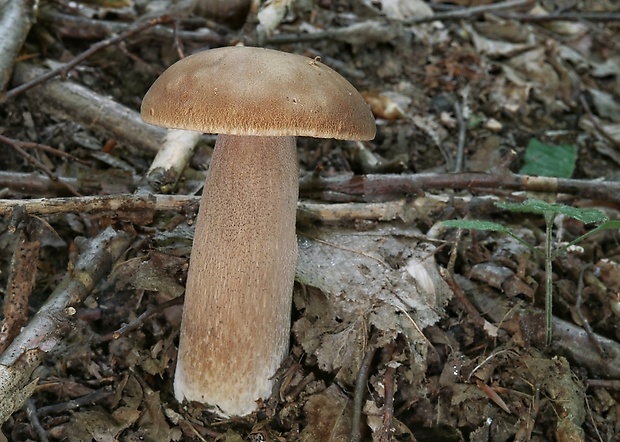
<point x="476" y="225"/>
<point x="549" y="160"/>
<point x="474" y="121"/>
<point x="586" y="216"/>
<point x="609" y="225"/>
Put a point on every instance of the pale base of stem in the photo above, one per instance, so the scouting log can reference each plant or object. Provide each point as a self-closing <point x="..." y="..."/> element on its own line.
<point x="237" y="312"/>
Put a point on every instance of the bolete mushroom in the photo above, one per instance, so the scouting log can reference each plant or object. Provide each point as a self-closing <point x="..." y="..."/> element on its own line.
<point x="236" y="318"/>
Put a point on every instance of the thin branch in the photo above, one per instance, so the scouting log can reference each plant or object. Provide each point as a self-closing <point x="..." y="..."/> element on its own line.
<point x="570" y="340"/>
<point x="472" y="312"/>
<point x="584" y="322"/>
<point x="470" y="13"/>
<point x="33" y="183"/>
<point x="79" y="27"/>
<point x="460" y="150"/>
<point x="22" y="275"/>
<point x="63" y="70"/>
<point x="16" y="19"/>
<point x="41" y="147"/>
<point x="106" y="203"/>
<point x="79" y="104"/>
<point x="360" y="391"/>
<point x="562" y="16"/>
<point x="31" y="411"/>
<point x="350" y="188"/>
<point x="73" y="404"/>
<point x="389" y="383"/>
<point x="38" y="164"/>
<point x="385" y="185"/>
<point x="374" y="30"/>
<point x="149" y="313"/>
<point x="52" y="323"/>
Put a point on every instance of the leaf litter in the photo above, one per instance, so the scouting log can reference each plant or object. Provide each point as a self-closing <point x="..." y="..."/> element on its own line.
<point x="362" y="287"/>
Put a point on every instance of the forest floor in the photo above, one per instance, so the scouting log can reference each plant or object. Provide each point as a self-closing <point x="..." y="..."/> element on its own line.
<point x="404" y="329"/>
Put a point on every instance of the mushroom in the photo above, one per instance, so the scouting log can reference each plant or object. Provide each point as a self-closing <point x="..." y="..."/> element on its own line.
<point x="236" y="317"/>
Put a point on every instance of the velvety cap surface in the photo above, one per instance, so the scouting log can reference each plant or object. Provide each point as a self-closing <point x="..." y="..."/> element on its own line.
<point x="257" y="91"/>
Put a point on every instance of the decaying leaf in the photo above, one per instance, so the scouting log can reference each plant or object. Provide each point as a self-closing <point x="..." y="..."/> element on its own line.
<point x="153" y="273"/>
<point x="402" y="9"/>
<point x="379" y="280"/>
<point x="375" y="415"/>
<point x="98" y="426"/>
<point x="607" y="106"/>
<point x="329" y="417"/>
<point x="489" y="45"/>
<point x="562" y="27"/>
<point x="387" y="105"/>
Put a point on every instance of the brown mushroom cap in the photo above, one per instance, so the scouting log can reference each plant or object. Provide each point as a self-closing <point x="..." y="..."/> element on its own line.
<point x="257" y="91"/>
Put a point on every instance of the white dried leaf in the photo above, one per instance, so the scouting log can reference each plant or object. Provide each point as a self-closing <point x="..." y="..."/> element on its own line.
<point x="366" y="279"/>
<point x="607" y="106"/>
<point x="272" y="13"/>
<point x="405" y="9"/>
<point x="493" y="47"/>
<point x="370" y="31"/>
<point x="431" y="126"/>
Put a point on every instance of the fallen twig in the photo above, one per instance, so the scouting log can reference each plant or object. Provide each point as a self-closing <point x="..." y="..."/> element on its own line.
<point x="52" y="322"/>
<point x="569" y="340"/>
<point x="16" y="19"/>
<point x="171" y="160"/>
<point x="584" y="321"/>
<point x="22" y="275"/>
<point x="462" y="126"/>
<point x="379" y="31"/>
<point x="561" y="16"/>
<point x="77" y="103"/>
<point x="149" y="313"/>
<point x="42" y="147"/>
<point x="64" y="69"/>
<point x="38" y="164"/>
<point x="370" y="186"/>
<point x="351" y="188"/>
<point x="33" y="183"/>
<point x="389" y="383"/>
<point x="73" y="404"/>
<point x="31" y="411"/>
<point x="470" y="13"/>
<point x="360" y="390"/>
<point x="74" y="26"/>
<point x="106" y="203"/>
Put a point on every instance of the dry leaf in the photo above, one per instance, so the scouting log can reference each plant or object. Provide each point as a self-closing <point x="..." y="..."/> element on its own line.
<point x="156" y="273"/>
<point x="404" y="9"/>
<point x="272" y="13"/>
<point x="365" y="279"/>
<point x="328" y="416"/>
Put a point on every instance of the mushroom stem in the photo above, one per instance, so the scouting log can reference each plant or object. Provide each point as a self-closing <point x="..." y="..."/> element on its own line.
<point x="236" y="317"/>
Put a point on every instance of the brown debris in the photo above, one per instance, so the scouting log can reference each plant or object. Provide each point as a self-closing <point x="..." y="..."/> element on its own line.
<point x="387" y="344"/>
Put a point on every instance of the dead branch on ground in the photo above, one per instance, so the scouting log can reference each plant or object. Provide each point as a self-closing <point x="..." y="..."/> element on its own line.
<point x="16" y="19"/>
<point x="51" y="323"/>
<point x="80" y="104"/>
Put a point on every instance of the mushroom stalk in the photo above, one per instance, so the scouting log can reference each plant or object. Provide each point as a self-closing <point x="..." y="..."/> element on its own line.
<point x="236" y="316"/>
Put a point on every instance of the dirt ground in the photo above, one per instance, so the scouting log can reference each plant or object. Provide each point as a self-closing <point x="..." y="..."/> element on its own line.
<point x="403" y="329"/>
